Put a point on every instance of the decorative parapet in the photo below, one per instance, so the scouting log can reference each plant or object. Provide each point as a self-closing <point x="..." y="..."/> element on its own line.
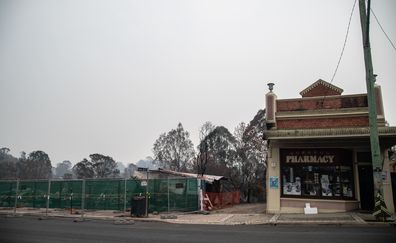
<point x="323" y="83"/>
<point x="327" y="133"/>
<point x="349" y="112"/>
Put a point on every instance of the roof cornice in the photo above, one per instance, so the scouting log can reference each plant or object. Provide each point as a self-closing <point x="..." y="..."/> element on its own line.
<point x="327" y="133"/>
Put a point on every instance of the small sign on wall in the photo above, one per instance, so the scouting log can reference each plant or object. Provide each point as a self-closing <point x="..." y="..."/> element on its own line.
<point x="274" y="182"/>
<point x="384" y="175"/>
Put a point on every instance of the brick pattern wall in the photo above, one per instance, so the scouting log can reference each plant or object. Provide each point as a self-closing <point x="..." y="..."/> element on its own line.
<point x="320" y="103"/>
<point x="271" y="107"/>
<point x="323" y="123"/>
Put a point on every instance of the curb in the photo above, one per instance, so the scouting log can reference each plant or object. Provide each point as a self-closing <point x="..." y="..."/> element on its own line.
<point x="358" y="219"/>
<point x="274" y="220"/>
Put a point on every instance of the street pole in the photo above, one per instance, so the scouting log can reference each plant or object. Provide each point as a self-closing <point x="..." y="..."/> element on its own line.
<point x="16" y="196"/>
<point x="48" y="197"/>
<point x="370" y="79"/>
<point x="71" y="201"/>
<point x="83" y="199"/>
<point x="125" y="191"/>
<point x="168" y="194"/>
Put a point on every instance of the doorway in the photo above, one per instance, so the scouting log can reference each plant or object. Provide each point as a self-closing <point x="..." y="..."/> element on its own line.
<point x="366" y="183"/>
<point x="393" y="179"/>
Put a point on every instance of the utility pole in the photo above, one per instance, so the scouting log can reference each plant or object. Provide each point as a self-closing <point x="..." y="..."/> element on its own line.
<point x="370" y="79"/>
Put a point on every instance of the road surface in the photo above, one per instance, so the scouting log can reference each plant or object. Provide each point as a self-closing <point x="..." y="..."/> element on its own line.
<point x="31" y="229"/>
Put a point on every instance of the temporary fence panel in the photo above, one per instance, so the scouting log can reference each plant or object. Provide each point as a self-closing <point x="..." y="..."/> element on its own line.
<point x="7" y="193"/>
<point x="66" y="194"/>
<point x="32" y="194"/>
<point x="134" y="188"/>
<point x="102" y="194"/>
<point x="173" y="195"/>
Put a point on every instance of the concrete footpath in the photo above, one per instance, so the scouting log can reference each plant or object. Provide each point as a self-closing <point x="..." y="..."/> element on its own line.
<point x="215" y="218"/>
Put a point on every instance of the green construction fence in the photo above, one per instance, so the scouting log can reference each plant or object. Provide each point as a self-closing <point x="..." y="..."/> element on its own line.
<point x="179" y="194"/>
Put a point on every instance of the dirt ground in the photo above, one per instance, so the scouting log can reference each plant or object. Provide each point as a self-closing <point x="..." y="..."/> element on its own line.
<point x="244" y="208"/>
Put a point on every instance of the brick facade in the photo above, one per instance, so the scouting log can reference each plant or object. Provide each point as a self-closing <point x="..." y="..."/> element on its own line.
<point x="323" y="123"/>
<point x="332" y="102"/>
<point x="320" y="122"/>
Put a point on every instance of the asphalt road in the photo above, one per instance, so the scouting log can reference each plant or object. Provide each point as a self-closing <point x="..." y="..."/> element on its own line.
<point x="29" y="229"/>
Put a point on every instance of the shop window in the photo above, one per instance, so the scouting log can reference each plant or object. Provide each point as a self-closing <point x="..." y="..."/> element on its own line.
<point x="318" y="181"/>
<point x="320" y="173"/>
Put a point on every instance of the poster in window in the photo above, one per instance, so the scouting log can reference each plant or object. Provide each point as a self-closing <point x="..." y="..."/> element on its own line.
<point x="326" y="186"/>
<point x="292" y="188"/>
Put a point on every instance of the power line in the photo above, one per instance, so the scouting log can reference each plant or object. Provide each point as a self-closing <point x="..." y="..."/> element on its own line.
<point x="342" y="51"/>
<point x="345" y="41"/>
<point x="376" y="19"/>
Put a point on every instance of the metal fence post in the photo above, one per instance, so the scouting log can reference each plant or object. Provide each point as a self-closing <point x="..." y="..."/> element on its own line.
<point x="168" y="194"/>
<point x="200" y="195"/>
<point x="147" y="178"/>
<point x="16" y="196"/>
<point x="185" y="191"/>
<point x="83" y="199"/>
<point x="48" y="197"/>
<point x="125" y="190"/>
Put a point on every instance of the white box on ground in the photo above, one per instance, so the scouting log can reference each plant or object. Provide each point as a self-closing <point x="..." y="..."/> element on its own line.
<point x="309" y="210"/>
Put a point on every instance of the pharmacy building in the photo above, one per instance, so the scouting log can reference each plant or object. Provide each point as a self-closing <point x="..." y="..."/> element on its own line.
<point x="319" y="151"/>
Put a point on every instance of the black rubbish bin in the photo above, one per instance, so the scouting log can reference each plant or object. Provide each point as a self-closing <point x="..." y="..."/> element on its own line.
<point x="138" y="206"/>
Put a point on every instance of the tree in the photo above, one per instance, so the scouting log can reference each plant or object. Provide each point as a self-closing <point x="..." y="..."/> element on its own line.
<point x="252" y="152"/>
<point x="253" y="137"/>
<point x="174" y="150"/>
<point x="240" y="156"/>
<point x="4" y="152"/>
<point x="84" y="169"/>
<point x="104" y="166"/>
<point x="63" y="168"/>
<point x="100" y="166"/>
<point x="205" y="129"/>
<point x="7" y="164"/>
<point x="220" y="154"/>
<point x="203" y="155"/>
<point x="36" y="166"/>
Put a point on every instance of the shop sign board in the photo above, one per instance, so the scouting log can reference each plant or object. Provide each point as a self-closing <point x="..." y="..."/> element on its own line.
<point x="315" y="156"/>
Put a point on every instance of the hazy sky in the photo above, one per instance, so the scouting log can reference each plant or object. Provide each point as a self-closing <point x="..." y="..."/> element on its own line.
<point x="80" y="77"/>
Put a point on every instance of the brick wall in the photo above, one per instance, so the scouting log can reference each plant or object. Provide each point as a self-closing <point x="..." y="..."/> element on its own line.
<point x="320" y="103"/>
<point x="323" y="123"/>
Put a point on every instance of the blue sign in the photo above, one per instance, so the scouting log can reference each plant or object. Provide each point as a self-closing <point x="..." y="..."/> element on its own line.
<point x="274" y="182"/>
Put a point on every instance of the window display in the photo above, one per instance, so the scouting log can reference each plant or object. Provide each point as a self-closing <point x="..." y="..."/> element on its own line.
<point x="317" y="174"/>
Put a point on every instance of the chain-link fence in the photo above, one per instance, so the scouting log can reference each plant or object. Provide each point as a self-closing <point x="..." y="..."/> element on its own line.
<point x="101" y="194"/>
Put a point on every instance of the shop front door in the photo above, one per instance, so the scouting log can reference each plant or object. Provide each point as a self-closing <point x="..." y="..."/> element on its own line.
<point x="393" y="179"/>
<point x="366" y="185"/>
